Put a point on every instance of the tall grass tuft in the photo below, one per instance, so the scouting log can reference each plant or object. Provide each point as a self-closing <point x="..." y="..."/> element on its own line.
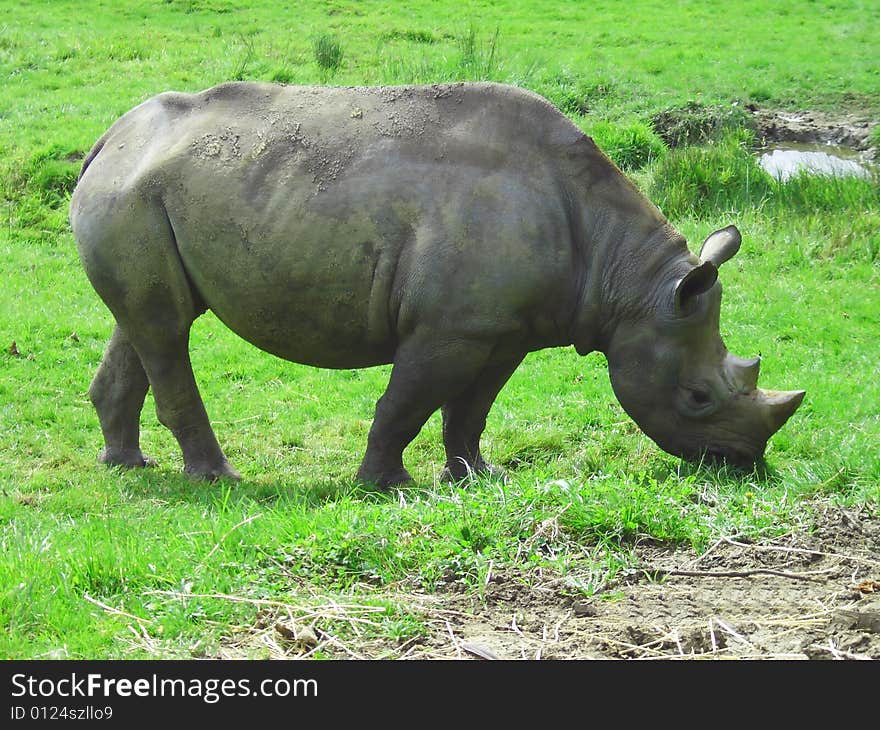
<point x="701" y="181"/>
<point x="478" y="59"/>
<point x="726" y="176"/>
<point x="328" y="53"/>
<point x="242" y="65"/>
<point x="630" y="146"/>
<point x="695" y="123"/>
<point x="808" y="192"/>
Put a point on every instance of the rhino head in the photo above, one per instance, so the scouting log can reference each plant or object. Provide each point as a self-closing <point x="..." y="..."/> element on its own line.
<point x="673" y="375"/>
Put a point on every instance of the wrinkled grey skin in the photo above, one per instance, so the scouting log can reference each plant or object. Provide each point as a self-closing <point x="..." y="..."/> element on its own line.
<point x="446" y="229"/>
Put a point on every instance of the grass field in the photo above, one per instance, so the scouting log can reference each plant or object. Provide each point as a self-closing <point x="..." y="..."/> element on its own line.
<point x="101" y="563"/>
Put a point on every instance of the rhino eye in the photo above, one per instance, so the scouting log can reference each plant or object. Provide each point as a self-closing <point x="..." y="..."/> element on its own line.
<point x="699" y="399"/>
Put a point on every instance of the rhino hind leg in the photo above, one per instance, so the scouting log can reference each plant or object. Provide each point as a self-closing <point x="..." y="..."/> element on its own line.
<point x="464" y="419"/>
<point x="117" y="392"/>
<point x="164" y="352"/>
<point x="425" y="375"/>
<point x="179" y="407"/>
<point x="155" y="304"/>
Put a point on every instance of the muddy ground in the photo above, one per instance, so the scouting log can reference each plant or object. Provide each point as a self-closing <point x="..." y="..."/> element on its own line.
<point x="806" y="595"/>
<point x="851" y="130"/>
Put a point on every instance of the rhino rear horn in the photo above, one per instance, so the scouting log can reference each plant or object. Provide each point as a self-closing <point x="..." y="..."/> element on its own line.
<point x="744" y="372"/>
<point x="721" y="245"/>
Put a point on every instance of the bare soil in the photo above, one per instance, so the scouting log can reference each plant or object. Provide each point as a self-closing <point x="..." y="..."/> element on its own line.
<point x="841" y="130"/>
<point x="805" y="595"/>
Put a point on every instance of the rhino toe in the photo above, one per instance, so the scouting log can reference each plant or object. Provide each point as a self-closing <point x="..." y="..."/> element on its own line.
<point x="213" y="473"/>
<point x="457" y="470"/>
<point x="129" y="458"/>
<point x="384" y="479"/>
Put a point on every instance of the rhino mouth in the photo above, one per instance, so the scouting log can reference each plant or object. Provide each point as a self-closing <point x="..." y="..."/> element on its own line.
<point x="719" y="455"/>
<point x="744" y="456"/>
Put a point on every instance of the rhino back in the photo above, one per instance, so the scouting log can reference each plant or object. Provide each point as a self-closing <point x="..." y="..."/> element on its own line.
<point x="325" y="224"/>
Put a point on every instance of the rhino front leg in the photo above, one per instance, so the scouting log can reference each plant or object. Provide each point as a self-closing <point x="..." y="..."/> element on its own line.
<point x="426" y="374"/>
<point x="464" y="419"/>
<point x="117" y="392"/>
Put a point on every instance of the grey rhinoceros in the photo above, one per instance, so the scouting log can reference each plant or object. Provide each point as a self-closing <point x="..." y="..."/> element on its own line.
<point x="447" y="229"/>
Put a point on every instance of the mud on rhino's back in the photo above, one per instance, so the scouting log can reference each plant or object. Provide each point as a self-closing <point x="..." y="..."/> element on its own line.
<point x="321" y="222"/>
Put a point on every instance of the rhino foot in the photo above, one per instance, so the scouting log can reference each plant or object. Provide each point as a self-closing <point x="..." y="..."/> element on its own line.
<point x="213" y="472"/>
<point x="386" y="479"/>
<point x="457" y="471"/>
<point x="130" y="458"/>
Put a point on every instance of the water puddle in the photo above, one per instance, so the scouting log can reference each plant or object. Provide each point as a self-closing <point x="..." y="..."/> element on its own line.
<point x="787" y="159"/>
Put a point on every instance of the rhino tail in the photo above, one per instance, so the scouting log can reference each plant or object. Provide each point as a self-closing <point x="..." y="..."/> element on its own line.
<point x="93" y="153"/>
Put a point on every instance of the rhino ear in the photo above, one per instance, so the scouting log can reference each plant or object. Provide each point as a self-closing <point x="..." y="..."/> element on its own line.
<point x="721" y="245"/>
<point x="697" y="281"/>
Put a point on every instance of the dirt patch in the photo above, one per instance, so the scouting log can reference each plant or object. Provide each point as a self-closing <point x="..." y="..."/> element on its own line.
<point x="814" y="596"/>
<point x="695" y="124"/>
<point x="801" y="596"/>
<point x="841" y="130"/>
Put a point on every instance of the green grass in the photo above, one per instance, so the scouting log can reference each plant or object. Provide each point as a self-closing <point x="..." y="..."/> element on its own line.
<point x="328" y="53"/>
<point x="585" y="483"/>
<point x="631" y="146"/>
<point x="724" y="176"/>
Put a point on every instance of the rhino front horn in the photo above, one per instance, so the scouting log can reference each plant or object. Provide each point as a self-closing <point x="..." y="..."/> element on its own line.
<point x="780" y="405"/>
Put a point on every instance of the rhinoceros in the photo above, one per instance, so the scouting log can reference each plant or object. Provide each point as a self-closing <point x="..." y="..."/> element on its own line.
<point x="446" y="229"/>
